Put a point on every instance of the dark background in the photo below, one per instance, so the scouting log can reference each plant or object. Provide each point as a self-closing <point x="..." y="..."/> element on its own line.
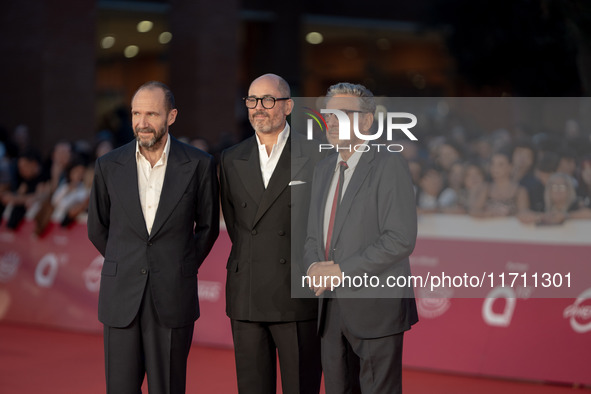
<point x="58" y="80"/>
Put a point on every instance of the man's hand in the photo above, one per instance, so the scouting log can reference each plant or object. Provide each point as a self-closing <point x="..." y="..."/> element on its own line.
<point x="320" y="276"/>
<point x="554" y="218"/>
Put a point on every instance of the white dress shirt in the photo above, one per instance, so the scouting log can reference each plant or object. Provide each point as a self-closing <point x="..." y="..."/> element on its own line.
<point x="351" y="163"/>
<point x="269" y="162"/>
<point x="150" y="180"/>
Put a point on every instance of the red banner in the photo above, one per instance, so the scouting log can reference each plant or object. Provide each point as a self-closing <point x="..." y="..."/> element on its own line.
<point x="54" y="281"/>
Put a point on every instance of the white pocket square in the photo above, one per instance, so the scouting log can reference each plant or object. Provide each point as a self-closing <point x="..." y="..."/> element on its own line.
<point x="293" y="183"/>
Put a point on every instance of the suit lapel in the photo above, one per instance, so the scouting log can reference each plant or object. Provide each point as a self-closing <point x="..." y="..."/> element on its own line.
<point x="248" y="168"/>
<point x="298" y="161"/>
<point x="179" y="170"/>
<point x="127" y="190"/>
<point x="278" y="182"/>
<point x="361" y="172"/>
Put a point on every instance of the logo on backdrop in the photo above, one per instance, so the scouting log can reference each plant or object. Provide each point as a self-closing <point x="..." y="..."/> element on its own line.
<point x="345" y="129"/>
<point x="579" y="313"/>
<point x="209" y="290"/>
<point x="92" y="274"/>
<point x="46" y="270"/>
<point x="499" y="319"/>
<point x="9" y="263"/>
<point x="435" y="303"/>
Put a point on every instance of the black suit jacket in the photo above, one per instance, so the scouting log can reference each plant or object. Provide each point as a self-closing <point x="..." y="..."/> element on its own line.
<point x="184" y="230"/>
<point x="374" y="233"/>
<point x="267" y="245"/>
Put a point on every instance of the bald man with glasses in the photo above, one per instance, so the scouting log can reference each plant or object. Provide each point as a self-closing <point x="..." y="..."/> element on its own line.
<point x="265" y="181"/>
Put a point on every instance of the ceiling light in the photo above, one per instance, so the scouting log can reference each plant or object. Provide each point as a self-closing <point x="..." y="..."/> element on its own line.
<point x="314" y="38"/>
<point x="131" y="51"/>
<point x="145" y="26"/>
<point x="107" y="42"/>
<point x="165" y="37"/>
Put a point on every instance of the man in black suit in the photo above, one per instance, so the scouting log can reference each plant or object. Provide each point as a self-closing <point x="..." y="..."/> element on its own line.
<point x="154" y="216"/>
<point x="265" y="181"/>
<point x="362" y="222"/>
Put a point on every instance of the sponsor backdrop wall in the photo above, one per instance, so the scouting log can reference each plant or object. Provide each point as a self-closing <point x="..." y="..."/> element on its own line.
<point x="519" y="330"/>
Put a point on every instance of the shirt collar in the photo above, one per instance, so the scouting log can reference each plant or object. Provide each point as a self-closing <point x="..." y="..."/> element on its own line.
<point x="281" y="138"/>
<point x="165" y="152"/>
<point x="353" y="160"/>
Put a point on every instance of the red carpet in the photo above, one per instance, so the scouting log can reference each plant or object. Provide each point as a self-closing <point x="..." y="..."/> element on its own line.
<point x="38" y="360"/>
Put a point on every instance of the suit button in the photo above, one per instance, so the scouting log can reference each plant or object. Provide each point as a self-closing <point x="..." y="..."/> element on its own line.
<point x="253" y="232"/>
<point x="149" y="243"/>
<point x="281" y="233"/>
<point x="243" y="205"/>
<point x="283" y="261"/>
<point x="144" y="271"/>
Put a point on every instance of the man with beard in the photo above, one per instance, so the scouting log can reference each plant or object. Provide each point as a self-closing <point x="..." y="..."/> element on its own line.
<point x="265" y="188"/>
<point x="362" y="224"/>
<point x="154" y="216"/>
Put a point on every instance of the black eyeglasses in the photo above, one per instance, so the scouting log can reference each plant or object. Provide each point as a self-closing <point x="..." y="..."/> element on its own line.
<point x="267" y="102"/>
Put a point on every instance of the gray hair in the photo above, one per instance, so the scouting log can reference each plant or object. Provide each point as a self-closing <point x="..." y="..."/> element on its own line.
<point x="570" y="190"/>
<point x="367" y="100"/>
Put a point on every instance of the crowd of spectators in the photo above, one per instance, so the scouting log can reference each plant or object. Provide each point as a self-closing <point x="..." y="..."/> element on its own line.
<point x="54" y="190"/>
<point x="49" y="191"/>
<point x="541" y="179"/>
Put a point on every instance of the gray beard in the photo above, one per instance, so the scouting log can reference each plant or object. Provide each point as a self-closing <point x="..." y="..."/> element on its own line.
<point x="150" y="143"/>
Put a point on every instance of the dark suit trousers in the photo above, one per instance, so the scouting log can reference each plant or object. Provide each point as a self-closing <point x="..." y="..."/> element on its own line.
<point x="354" y="365"/>
<point x="146" y="346"/>
<point x="256" y="346"/>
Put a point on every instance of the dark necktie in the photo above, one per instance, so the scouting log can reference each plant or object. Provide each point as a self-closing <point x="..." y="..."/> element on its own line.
<point x="335" y="203"/>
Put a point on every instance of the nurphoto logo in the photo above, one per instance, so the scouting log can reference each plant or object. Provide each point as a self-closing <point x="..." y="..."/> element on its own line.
<point x="345" y="129"/>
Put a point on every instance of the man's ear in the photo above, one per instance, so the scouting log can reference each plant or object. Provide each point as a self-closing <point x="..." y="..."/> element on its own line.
<point x="172" y="116"/>
<point x="367" y="121"/>
<point x="288" y="106"/>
